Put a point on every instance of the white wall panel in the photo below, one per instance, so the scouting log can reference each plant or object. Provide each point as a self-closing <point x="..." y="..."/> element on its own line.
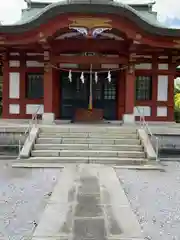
<point x="143" y="66"/>
<point x="144" y="56"/>
<point x="34" y="64"/>
<point x="14" y="85"/>
<point x="163" y="66"/>
<point x="34" y="54"/>
<point x="162" y="92"/>
<point x="162" y="111"/>
<point x="68" y="54"/>
<point x="163" y="57"/>
<point x="14" y="109"/>
<point x="14" y="63"/>
<point x="147" y="57"/>
<point x="112" y="55"/>
<point x="14" y="54"/>
<point x="110" y="66"/>
<point x="68" y="65"/>
<point x="145" y="110"/>
<point x="32" y="108"/>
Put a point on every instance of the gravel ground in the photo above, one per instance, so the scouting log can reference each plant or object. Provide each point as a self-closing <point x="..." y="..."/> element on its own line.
<point x="155" y="199"/>
<point x="23" y="196"/>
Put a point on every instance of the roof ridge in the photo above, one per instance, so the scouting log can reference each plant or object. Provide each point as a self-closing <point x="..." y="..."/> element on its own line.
<point x="69" y="2"/>
<point x="62" y="7"/>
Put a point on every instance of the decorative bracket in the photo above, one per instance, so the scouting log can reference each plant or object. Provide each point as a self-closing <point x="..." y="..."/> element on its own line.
<point x="177" y="44"/>
<point x="47" y="66"/>
<point x="131" y="68"/>
<point x="43" y="41"/>
<point x="46" y="56"/>
<point x="2" y="40"/>
<point x="90" y="32"/>
<point x="132" y="60"/>
<point x="132" y="57"/>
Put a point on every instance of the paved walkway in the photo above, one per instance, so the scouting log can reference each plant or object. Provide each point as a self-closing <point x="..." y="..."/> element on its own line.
<point x="88" y="203"/>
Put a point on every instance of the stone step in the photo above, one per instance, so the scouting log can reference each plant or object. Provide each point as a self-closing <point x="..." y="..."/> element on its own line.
<point x="93" y="129"/>
<point x="89" y="135"/>
<point x="88" y="146"/>
<point x="87" y="153"/>
<point x="88" y="141"/>
<point x="8" y="157"/>
<point x="78" y="160"/>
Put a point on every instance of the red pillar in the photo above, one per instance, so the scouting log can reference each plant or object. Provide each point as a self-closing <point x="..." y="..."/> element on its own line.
<point x="56" y="93"/>
<point x="172" y="76"/>
<point x="48" y="115"/>
<point x="170" y="115"/>
<point x="121" y="94"/>
<point x="129" y="95"/>
<point x="155" y="86"/>
<point x="22" y="85"/>
<point x="5" y="93"/>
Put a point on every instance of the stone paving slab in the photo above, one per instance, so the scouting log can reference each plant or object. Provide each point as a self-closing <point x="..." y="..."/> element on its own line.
<point x="23" y="197"/>
<point x="89" y="185"/>
<point x="26" y="164"/>
<point x="88" y="203"/>
<point x="154" y="166"/>
<point x="88" y="206"/>
<point x="66" y="238"/>
<point x="49" y="238"/>
<point x="89" y="229"/>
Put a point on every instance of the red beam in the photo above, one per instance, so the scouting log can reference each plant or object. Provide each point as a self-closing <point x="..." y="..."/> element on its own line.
<point x="89" y="60"/>
<point x="89" y="45"/>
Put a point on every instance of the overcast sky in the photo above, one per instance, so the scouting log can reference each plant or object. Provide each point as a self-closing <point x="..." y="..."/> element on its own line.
<point x="10" y="10"/>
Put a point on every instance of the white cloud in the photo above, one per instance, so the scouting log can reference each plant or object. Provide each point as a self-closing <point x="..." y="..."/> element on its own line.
<point x="167" y="8"/>
<point x="10" y="10"/>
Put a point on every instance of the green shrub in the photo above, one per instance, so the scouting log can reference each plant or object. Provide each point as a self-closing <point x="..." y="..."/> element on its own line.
<point x="177" y="116"/>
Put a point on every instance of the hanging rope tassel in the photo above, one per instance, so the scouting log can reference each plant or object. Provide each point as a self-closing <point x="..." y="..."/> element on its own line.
<point x="96" y="77"/>
<point x="70" y="76"/>
<point x="109" y="77"/>
<point x="82" y="77"/>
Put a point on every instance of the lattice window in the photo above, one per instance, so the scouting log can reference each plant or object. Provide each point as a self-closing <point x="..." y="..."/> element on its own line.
<point x="34" y="85"/>
<point x="81" y="88"/>
<point x="67" y="92"/>
<point x="143" y="88"/>
<point x="97" y="90"/>
<point x="110" y="90"/>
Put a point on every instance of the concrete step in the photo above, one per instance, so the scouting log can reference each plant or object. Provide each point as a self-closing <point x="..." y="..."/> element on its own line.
<point x="92" y="129"/>
<point x="8" y="157"/>
<point x="78" y="160"/>
<point x="87" y="153"/>
<point x="88" y="141"/>
<point x="89" y="135"/>
<point x="88" y="146"/>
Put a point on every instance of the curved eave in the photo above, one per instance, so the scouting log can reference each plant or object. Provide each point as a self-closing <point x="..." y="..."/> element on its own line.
<point x="53" y="11"/>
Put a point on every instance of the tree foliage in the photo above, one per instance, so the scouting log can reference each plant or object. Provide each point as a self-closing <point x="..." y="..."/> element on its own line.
<point x="177" y="101"/>
<point x="177" y="94"/>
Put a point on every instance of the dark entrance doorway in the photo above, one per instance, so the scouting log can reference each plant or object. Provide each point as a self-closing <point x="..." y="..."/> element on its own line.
<point x="75" y="94"/>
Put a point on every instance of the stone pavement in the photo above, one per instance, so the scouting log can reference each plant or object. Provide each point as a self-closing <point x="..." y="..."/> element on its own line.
<point x="23" y="197"/>
<point x="88" y="203"/>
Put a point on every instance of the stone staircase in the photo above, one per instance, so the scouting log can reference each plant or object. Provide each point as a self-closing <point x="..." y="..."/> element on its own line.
<point x="95" y="144"/>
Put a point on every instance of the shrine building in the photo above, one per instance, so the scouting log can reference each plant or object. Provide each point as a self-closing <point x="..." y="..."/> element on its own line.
<point x="89" y="60"/>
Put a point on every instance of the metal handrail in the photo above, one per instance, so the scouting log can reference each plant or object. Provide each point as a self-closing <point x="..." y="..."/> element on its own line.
<point x="145" y="126"/>
<point x="32" y="122"/>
